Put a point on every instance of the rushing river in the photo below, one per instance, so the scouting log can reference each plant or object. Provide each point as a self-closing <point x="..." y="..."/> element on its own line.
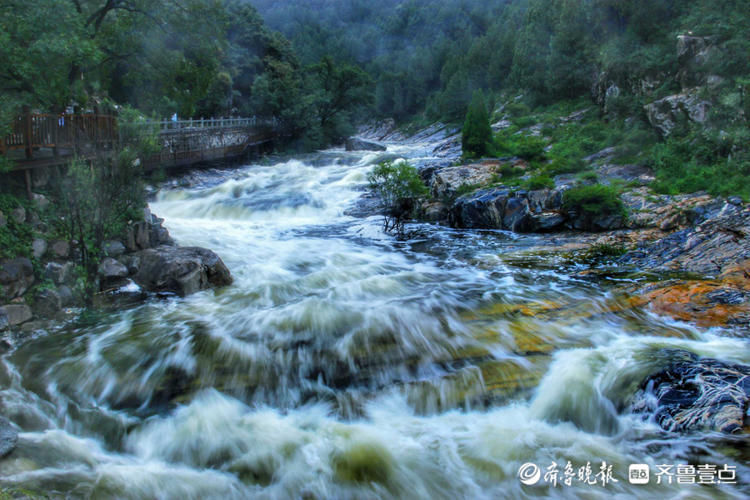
<point x="343" y="363"/>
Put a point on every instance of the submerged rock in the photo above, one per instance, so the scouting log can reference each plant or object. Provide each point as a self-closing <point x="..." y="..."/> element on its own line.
<point x="181" y="270"/>
<point x="693" y="394"/>
<point x="358" y="144"/>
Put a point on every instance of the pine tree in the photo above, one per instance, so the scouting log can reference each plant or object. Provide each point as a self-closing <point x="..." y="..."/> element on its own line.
<point x="477" y="133"/>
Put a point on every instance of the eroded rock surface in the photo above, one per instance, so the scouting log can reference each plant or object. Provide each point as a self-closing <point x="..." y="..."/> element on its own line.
<point x="694" y="394"/>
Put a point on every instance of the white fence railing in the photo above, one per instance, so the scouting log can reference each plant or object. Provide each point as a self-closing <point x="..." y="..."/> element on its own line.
<point x="210" y="123"/>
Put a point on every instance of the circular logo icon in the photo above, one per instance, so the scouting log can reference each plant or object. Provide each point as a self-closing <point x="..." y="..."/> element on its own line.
<point x="529" y="474"/>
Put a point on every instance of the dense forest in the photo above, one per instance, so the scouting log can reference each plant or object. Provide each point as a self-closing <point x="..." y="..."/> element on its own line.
<point x="320" y="67"/>
<point x="195" y="58"/>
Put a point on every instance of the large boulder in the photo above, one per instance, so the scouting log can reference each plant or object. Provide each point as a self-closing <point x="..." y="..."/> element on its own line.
<point x="60" y="273"/>
<point x="502" y="208"/>
<point x="47" y="303"/>
<point x="16" y="314"/>
<point x="694" y="394"/>
<point x="358" y="144"/>
<point x="16" y="277"/>
<point x="111" y="273"/>
<point x="181" y="270"/>
<point x="664" y="114"/>
<point x="446" y="182"/>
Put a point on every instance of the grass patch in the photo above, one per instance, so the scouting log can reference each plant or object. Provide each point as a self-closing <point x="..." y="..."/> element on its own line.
<point x="539" y="182"/>
<point x="592" y="201"/>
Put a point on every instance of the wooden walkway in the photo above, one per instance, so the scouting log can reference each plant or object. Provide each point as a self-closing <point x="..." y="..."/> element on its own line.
<point x="44" y="140"/>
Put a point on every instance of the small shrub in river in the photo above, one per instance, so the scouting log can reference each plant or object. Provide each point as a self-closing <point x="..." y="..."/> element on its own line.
<point x="399" y="187"/>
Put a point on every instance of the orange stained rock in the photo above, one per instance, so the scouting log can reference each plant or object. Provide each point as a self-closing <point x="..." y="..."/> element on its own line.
<point x="693" y="301"/>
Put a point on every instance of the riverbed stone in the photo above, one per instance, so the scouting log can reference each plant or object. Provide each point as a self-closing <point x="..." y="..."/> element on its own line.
<point x="112" y="274"/>
<point x="113" y="248"/>
<point x="181" y="270"/>
<point x="16" y="313"/>
<point x="16" y="277"/>
<point x="60" y="249"/>
<point x="60" y="273"/>
<point x="8" y="437"/>
<point x="696" y="394"/>
<point x="67" y="298"/>
<point x="47" y="303"/>
<point x="38" y="248"/>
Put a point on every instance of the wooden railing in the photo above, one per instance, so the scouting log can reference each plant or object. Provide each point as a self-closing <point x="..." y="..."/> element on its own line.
<point x="31" y="132"/>
<point x="40" y="140"/>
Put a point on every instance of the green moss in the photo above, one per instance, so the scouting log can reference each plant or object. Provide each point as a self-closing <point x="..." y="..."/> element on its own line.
<point x="363" y="463"/>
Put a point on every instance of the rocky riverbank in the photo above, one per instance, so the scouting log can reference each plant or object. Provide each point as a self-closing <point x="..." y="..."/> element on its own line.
<point x="144" y="261"/>
<point x="702" y="238"/>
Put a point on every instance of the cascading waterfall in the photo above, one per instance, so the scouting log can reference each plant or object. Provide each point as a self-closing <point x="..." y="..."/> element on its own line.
<point x="344" y="364"/>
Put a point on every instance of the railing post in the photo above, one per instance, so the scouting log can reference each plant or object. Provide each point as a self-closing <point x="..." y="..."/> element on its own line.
<point x="27" y="132"/>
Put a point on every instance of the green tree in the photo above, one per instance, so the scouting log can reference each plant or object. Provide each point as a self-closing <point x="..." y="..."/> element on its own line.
<point x="399" y="187"/>
<point x="476" y="134"/>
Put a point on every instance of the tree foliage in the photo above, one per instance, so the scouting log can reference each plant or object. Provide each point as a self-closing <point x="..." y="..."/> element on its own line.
<point x="476" y="134"/>
<point x="399" y="187"/>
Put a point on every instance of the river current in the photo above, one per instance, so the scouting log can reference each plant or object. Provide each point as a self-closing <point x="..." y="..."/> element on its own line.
<point x="343" y="363"/>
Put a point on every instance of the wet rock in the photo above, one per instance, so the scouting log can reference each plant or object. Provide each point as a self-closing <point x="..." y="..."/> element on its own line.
<point x="723" y="302"/>
<point x="501" y="208"/>
<point x="434" y="211"/>
<point x="59" y="273"/>
<point x="126" y="295"/>
<point x="664" y="114"/>
<point x="160" y="235"/>
<point x="446" y="182"/>
<point x="181" y="270"/>
<point x="67" y="298"/>
<point x="60" y="249"/>
<point x="111" y="273"/>
<point x="38" y="248"/>
<point x="113" y="248"/>
<point x="19" y="215"/>
<point x="694" y="394"/>
<point x="517" y="214"/>
<point x="8" y="437"/>
<point x="717" y="238"/>
<point x="47" y="303"/>
<point x="358" y="144"/>
<point x="16" y="277"/>
<point x="16" y="313"/>
<point x="482" y="209"/>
